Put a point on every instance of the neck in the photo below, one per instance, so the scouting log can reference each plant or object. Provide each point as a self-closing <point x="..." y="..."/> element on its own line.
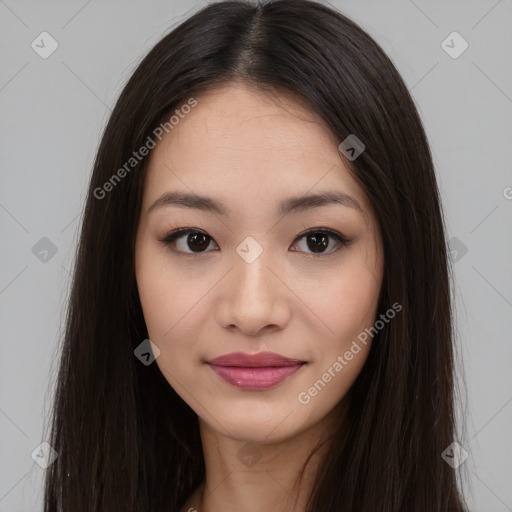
<point x="255" y="476"/>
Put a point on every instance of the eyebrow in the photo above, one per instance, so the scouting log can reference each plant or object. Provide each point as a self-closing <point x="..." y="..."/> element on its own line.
<point x="290" y="205"/>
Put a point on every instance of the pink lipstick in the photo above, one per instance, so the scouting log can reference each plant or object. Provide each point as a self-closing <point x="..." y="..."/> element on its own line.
<point x="254" y="371"/>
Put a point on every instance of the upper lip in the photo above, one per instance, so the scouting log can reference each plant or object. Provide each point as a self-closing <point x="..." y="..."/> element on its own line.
<point x="262" y="359"/>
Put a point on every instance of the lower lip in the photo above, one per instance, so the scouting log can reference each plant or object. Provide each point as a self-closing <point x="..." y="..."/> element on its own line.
<point x="255" y="378"/>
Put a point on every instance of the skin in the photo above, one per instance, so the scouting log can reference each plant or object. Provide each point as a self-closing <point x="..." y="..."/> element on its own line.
<point x="251" y="150"/>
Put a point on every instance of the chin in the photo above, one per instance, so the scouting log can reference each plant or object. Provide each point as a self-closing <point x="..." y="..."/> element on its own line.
<point x="272" y="427"/>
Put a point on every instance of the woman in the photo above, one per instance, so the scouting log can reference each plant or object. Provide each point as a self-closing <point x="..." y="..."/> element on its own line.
<point x="260" y="315"/>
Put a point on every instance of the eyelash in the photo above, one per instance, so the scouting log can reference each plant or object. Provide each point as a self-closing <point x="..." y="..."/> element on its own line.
<point x="176" y="232"/>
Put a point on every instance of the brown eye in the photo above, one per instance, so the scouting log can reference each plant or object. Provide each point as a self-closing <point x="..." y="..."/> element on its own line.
<point x="195" y="241"/>
<point x="198" y="241"/>
<point x="318" y="240"/>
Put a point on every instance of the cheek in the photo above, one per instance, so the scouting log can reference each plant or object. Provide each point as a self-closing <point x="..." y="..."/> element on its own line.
<point x="345" y="301"/>
<point x="174" y="302"/>
<point x="347" y="305"/>
<point x="167" y="303"/>
<point x="159" y="290"/>
<point x="168" y="307"/>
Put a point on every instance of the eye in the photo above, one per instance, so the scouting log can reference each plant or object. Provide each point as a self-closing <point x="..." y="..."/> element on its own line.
<point x="197" y="241"/>
<point x="317" y="239"/>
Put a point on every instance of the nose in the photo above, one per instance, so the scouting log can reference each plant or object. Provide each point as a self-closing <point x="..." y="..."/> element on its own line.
<point x="255" y="298"/>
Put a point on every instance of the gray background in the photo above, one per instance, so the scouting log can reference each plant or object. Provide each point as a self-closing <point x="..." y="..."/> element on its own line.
<point x="52" y="114"/>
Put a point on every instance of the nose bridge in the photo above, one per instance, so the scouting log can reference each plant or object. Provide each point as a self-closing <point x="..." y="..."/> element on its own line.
<point x="252" y="273"/>
<point x="253" y="298"/>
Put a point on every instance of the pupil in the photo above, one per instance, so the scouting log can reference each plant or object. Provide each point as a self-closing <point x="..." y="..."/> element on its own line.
<point x="194" y="237"/>
<point x="319" y="240"/>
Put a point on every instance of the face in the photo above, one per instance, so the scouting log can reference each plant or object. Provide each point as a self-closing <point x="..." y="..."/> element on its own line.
<point x="258" y="271"/>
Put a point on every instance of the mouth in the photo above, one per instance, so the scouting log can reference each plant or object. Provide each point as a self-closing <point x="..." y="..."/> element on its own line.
<point x="255" y="372"/>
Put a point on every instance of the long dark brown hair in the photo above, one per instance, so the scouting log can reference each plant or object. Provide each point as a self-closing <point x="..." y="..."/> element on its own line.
<point x="125" y="439"/>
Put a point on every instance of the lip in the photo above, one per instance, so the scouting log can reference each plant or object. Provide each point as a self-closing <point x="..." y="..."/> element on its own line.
<point x="254" y="371"/>
<point x="259" y="360"/>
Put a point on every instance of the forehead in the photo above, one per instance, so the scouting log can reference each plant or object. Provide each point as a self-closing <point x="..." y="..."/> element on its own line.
<point x="245" y="145"/>
<point x="236" y="120"/>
